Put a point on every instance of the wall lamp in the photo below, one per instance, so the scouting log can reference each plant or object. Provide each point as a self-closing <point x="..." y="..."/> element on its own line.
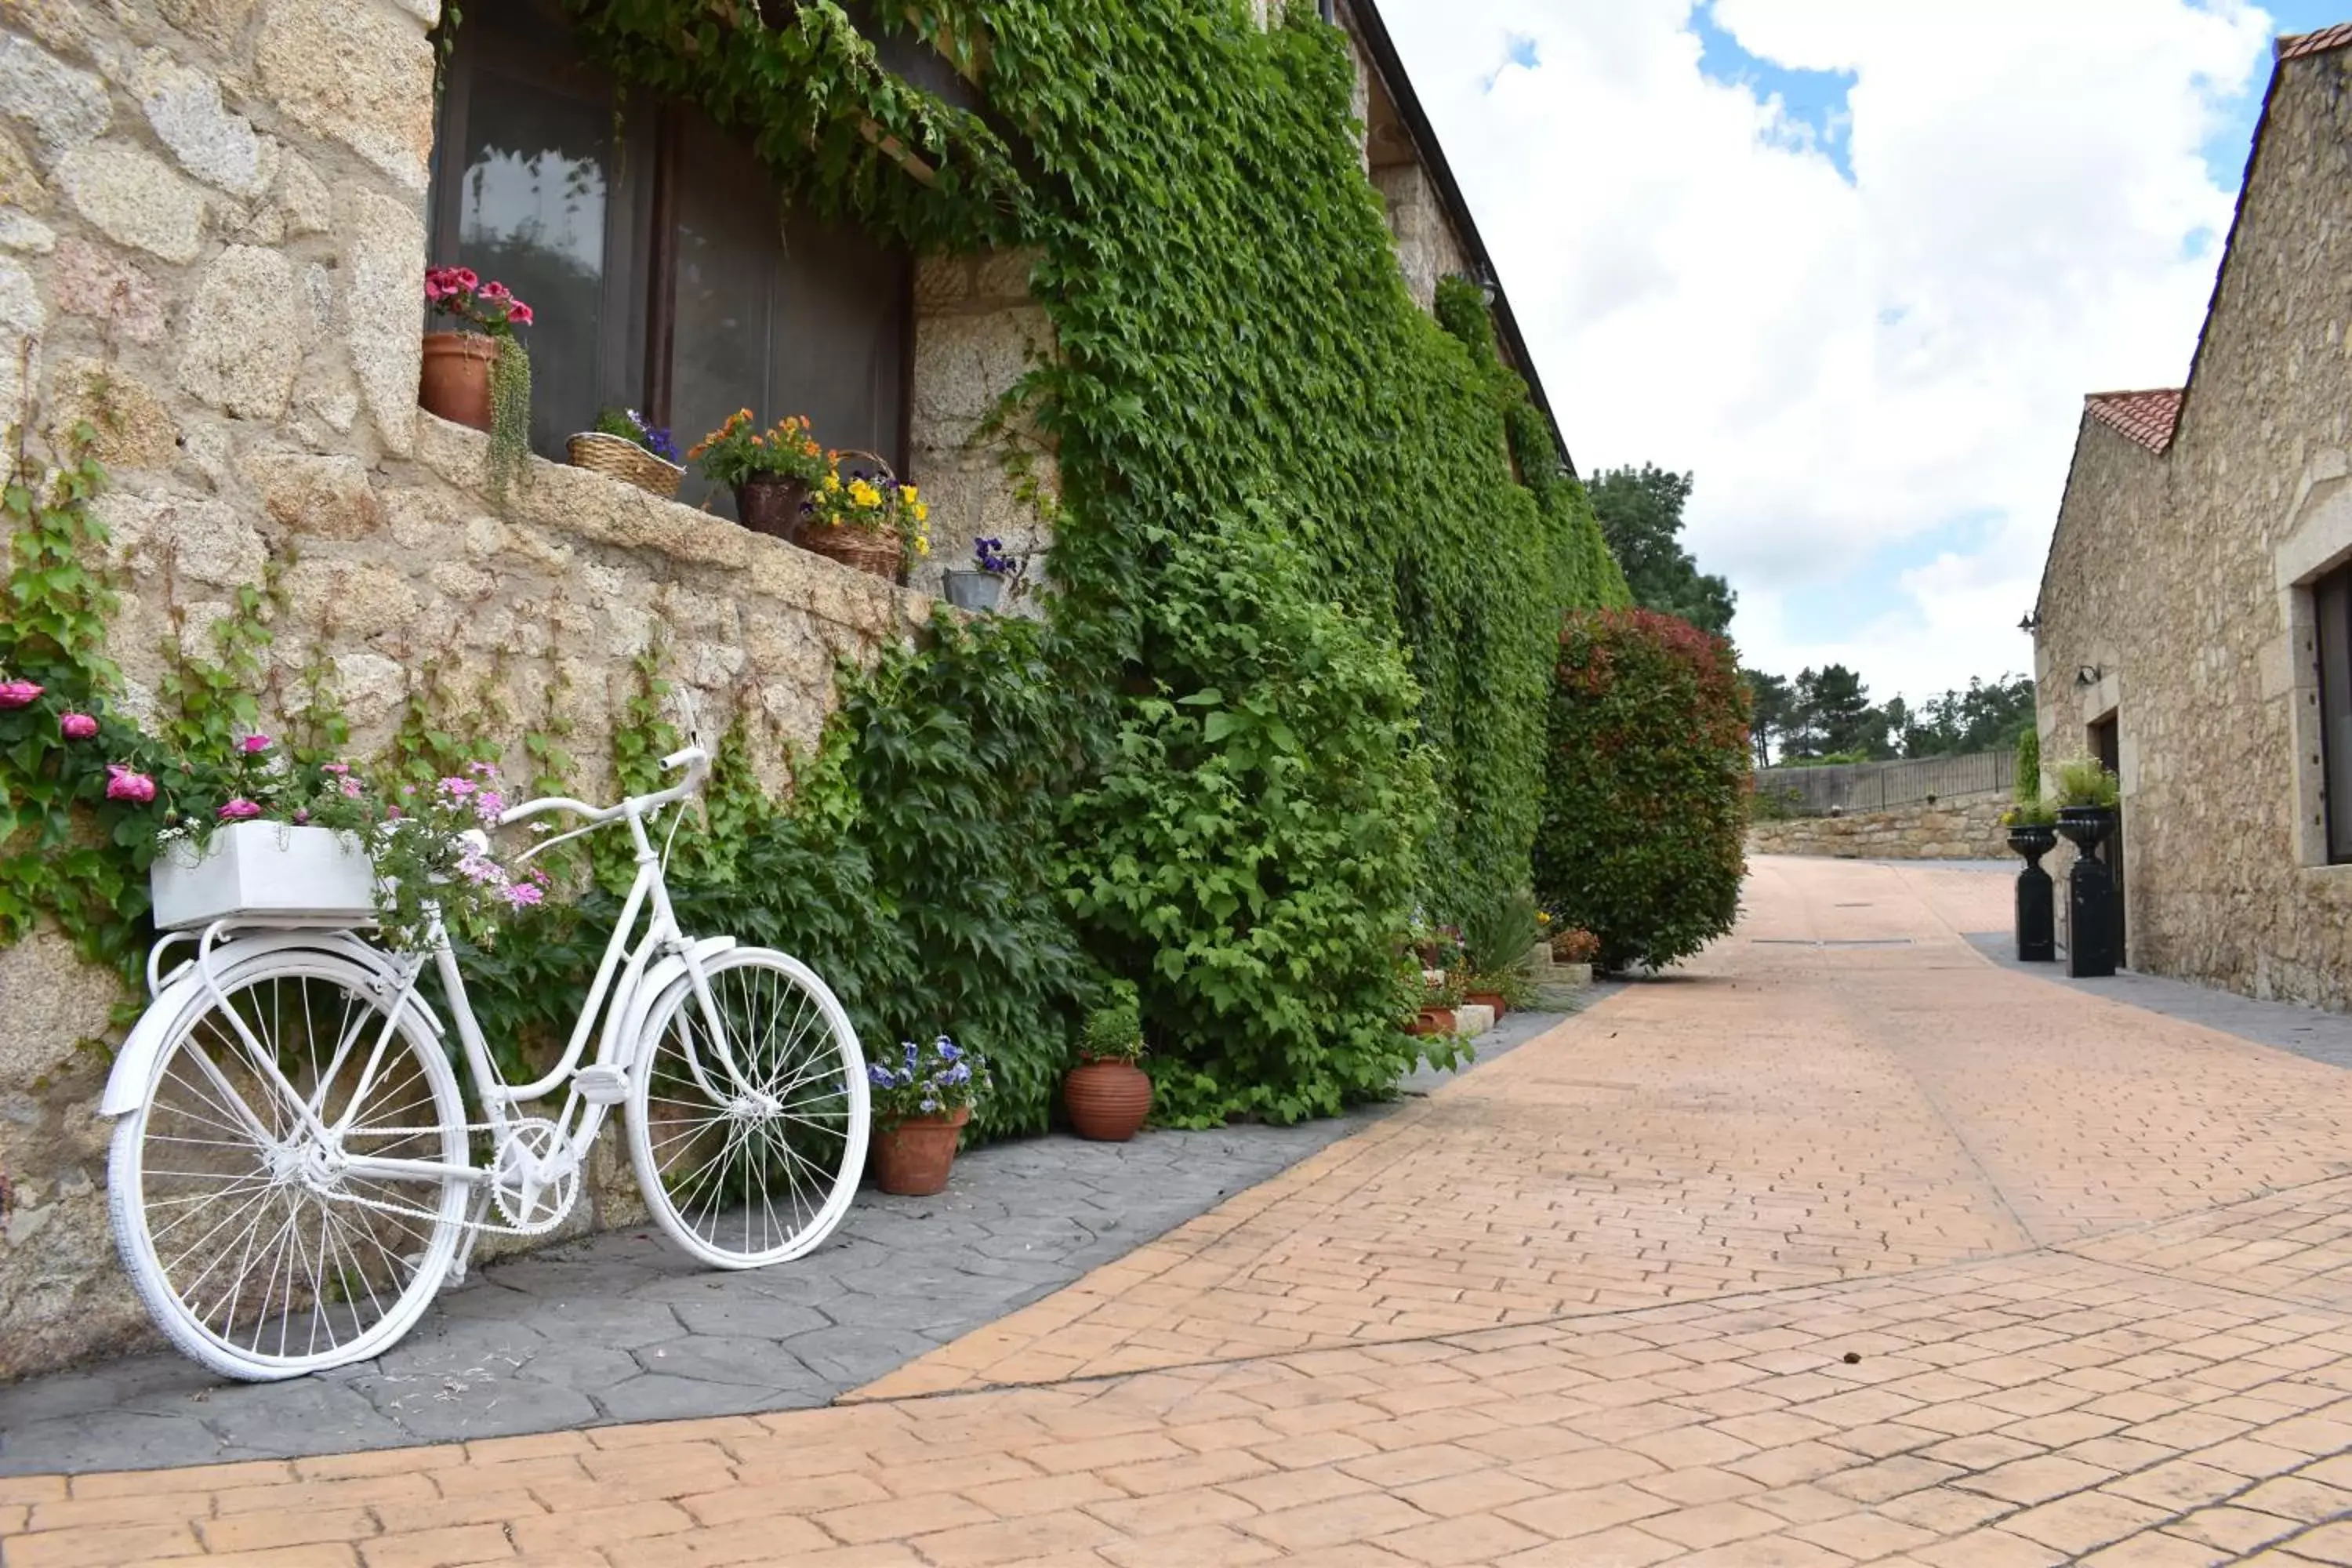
<point x="2088" y="675"/>
<point x="2032" y="623"/>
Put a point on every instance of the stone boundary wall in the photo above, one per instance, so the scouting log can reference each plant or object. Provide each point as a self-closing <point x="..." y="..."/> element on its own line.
<point x="1948" y="830"/>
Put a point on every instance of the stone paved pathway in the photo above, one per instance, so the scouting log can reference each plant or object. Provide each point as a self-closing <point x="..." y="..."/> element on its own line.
<point x="622" y="1327"/>
<point x="1846" y="1246"/>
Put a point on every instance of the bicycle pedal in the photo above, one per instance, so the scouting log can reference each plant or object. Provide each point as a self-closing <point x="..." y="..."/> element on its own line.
<point x="602" y="1085"/>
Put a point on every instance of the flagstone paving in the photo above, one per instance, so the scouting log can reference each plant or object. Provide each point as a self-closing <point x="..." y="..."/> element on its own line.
<point x="1846" y="1245"/>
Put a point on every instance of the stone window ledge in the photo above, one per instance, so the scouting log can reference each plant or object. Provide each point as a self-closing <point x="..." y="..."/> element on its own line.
<point x="600" y="510"/>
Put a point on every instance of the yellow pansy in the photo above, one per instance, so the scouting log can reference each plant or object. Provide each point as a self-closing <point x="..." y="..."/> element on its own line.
<point x="922" y="512"/>
<point x="862" y="494"/>
<point x="831" y="482"/>
<point x="922" y="546"/>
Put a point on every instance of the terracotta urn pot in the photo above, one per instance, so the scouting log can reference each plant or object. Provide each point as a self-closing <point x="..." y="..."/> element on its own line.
<point x="456" y="383"/>
<point x="1488" y="999"/>
<point x="1432" y="1021"/>
<point x="771" y="504"/>
<point x="912" y="1157"/>
<point x="1108" y="1100"/>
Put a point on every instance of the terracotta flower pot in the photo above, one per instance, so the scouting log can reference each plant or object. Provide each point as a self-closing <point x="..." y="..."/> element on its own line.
<point x="456" y="383"/>
<point x="1108" y="1100"/>
<point x="911" y="1159"/>
<point x="1488" y="999"/>
<point x="1432" y="1021"/>
<point x="771" y="504"/>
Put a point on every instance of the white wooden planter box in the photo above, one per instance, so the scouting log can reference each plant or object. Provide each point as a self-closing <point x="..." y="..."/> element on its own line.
<point x="264" y="870"/>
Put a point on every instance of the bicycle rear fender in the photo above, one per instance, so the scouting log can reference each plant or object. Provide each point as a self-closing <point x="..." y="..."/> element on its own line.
<point x="126" y="1085"/>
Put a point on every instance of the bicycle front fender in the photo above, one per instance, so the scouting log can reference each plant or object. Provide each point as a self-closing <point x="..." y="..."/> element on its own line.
<point x="655" y="984"/>
<point x="134" y="1064"/>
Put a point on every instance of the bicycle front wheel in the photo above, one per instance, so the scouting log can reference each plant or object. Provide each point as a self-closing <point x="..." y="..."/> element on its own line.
<point x="748" y="1128"/>
<point x="254" y="1247"/>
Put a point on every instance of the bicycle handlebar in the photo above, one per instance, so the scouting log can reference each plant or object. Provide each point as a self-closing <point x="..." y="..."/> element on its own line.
<point x="693" y="759"/>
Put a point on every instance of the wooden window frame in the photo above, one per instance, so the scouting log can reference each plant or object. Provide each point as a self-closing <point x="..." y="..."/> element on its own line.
<point x="2331" y="615"/>
<point x="637" y="342"/>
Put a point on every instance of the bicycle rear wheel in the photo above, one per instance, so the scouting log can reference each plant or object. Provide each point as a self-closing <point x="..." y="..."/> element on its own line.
<point x="256" y="1251"/>
<point x="749" y="1139"/>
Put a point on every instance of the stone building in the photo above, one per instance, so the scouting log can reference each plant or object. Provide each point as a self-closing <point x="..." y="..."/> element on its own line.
<point x="215" y="221"/>
<point x="2195" y="609"/>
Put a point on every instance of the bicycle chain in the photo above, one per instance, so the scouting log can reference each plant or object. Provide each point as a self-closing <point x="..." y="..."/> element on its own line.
<point x="485" y="1226"/>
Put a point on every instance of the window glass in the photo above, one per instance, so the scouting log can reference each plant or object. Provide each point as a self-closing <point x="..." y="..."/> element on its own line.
<point x="777" y="312"/>
<point x="531" y="213"/>
<point x="2332" y="601"/>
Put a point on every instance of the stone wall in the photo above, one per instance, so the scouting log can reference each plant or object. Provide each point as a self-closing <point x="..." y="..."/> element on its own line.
<point x="212" y="246"/>
<point x="2169" y="597"/>
<point x="1427" y="249"/>
<point x="1947" y="830"/>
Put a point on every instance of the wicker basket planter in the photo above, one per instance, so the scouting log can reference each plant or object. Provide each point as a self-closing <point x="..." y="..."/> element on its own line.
<point x="871" y="550"/>
<point x="618" y="459"/>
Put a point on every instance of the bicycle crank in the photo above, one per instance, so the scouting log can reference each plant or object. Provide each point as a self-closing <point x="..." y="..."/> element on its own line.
<point x="535" y="1179"/>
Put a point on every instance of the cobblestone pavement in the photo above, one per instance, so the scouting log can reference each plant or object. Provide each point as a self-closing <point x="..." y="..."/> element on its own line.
<point x="1844" y="1247"/>
<point x="622" y="1327"/>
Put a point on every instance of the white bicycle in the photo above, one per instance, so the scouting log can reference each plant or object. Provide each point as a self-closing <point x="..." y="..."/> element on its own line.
<point x="293" y="1173"/>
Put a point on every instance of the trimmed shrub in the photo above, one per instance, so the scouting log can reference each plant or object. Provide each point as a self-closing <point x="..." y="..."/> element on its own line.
<point x="1645" y="802"/>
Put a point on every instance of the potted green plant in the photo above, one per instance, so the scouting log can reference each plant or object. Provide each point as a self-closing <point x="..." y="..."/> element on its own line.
<point x="1496" y="938"/>
<point x="478" y="373"/>
<point x="624" y="447"/>
<point x="1106" y="1094"/>
<point x="2088" y="793"/>
<point x="771" y="471"/>
<point x="920" y="1105"/>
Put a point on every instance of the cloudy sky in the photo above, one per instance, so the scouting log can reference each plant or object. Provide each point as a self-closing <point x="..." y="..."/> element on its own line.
<point x="1854" y="263"/>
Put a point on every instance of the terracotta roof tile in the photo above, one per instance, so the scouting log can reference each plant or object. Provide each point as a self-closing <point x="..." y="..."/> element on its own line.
<point x="2320" y="42"/>
<point x="2145" y="416"/>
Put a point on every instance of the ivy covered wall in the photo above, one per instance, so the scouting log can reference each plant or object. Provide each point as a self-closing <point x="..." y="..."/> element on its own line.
<point x="1292" y="505"/>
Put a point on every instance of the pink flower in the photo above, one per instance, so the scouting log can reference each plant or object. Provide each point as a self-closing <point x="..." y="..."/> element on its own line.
<point x="76" y="726"/>
<point x="254" y="745"/>
<point x="457" y="789"/>
<point x="240" y="810"/>
<point x="519" y="314"/>
<point x="350" y="788"/>
<point x="338" y="769"/>
<point x="302" y="818"/>
<point x="392" y="814"/>
<point x="522" y="894"/>
<point x="121" y="783"/>
<point x="18" y="693"/>
<point x="489" y="805"/>
<point x="495" y="291"/>
<point x="465" y="278"/>
<point x="482" y="770"/>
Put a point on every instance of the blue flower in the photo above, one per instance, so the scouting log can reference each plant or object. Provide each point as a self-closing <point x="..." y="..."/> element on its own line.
<point x="959" y="1073"/>
<point x="929" y="1104"/>
<point x="906" y="1080"/>
<point x="949" y="1050"/>
<point x="879" y="1076"/>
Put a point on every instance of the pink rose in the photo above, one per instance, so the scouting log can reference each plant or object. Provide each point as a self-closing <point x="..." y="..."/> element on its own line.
<point x="18" y="693"/>
<point x="76" y="726"/>
<point x="254" y="745"/>
<point x="240" y="810"/>
<point x="121" y="783"/>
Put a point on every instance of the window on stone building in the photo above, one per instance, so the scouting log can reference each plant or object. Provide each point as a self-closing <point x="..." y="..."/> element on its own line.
<point x="664" y="272"/>
<point x="2331" y="600"/>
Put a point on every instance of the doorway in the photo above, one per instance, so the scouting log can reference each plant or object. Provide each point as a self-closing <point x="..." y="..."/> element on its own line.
<point x="2106" y="744"/>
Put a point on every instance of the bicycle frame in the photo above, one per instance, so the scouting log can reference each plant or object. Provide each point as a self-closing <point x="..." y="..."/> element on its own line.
<point x="621" y="977"/>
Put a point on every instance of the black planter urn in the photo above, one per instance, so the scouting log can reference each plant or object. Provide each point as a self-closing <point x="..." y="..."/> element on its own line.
<point x="2037" y="916"/>
<point x="2090" y="893"/>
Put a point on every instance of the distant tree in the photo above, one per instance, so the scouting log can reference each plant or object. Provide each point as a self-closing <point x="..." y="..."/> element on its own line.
<point x="1984" y="718"/>
<point x="1772" y="707"/>
<point x="1833" y="713"/>
<point x="1641" y="512"/>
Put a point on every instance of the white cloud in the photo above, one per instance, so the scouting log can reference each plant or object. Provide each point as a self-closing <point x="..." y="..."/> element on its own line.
<point x="1899" y="360"/>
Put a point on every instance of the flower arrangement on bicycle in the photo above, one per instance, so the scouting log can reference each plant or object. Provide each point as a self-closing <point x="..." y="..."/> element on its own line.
<point x="920" y="1105"/>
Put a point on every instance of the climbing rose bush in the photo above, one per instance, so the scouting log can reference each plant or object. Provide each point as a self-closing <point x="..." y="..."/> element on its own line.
<point x="1645" y="802"/>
